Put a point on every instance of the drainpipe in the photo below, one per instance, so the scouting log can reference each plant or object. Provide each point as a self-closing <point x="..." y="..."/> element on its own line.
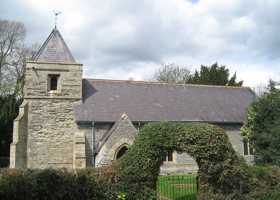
<point x="93" y="143"/>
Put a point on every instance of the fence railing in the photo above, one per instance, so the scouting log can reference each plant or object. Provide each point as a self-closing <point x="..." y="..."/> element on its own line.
<point x="4" y="162"/>
<point x="177" y="187"/>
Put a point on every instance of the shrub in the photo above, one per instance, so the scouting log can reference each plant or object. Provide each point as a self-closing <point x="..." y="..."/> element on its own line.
<point x="49" y="184"/>
<point x="262" y="127"/>
<point x="266" y="185"/>
<point x="222" y="174"/>
<point x="220" y="170"/>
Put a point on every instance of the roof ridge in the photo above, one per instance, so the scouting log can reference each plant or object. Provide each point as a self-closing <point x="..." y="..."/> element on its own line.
<point x="163" y="83"/>
<point x="39" y="52"/>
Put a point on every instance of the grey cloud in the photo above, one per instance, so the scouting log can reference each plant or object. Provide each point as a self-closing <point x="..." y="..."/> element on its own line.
<point x="127" y="35"/>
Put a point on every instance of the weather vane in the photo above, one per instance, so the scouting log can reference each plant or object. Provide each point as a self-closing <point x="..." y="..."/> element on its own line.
<point x="56" y="13"/>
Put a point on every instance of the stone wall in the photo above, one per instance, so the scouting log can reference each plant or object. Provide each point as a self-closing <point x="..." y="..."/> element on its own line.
<point x="181" y="163"/>
<point x="51" y="132"/>
<point x="87" y="131"/>
<point x="69" y="82"/>
<point x="236" y="140"/>
<point x="18" y="148"/>
<point x="122" y="133"/>
<point x="79" y="155"/>
<point x="51" y="123"/>
<point x="100" y="130"/>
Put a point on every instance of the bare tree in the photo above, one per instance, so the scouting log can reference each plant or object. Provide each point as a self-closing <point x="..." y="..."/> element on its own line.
<point x="172" y="73"/>
<point x="12" y="54"/>
<point x="260" y="89"/>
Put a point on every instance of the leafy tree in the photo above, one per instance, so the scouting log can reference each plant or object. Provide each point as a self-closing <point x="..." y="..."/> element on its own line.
<point x="214" y="75"/>
<point x="172" y="73"/>
<point x="262" y="126"/>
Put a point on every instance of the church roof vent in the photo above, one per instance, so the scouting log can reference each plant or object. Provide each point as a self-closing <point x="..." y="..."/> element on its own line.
<point x="54" y="50"/>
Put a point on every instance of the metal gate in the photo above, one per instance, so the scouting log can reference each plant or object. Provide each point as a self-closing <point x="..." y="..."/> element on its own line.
<point x="177" y="187"/>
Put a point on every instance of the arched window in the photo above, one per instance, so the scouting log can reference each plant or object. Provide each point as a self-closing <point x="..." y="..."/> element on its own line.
<point x="121" y="152"/>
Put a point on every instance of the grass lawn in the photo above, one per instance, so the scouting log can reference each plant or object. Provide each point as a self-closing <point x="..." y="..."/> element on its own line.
<point x="177" y="187"/>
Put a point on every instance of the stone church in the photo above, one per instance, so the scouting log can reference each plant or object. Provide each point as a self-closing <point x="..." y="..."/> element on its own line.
<point x="70" y="122"/>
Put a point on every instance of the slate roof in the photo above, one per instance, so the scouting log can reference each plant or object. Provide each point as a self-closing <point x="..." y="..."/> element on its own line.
<point x="54" y="50"/>
<point x="106" y="100"/>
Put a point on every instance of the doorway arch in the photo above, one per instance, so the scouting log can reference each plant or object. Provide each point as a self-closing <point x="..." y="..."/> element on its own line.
<point x="121" y="151"/>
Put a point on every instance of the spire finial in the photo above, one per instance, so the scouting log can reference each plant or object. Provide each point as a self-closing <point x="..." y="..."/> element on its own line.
<point x="56" y="13"/>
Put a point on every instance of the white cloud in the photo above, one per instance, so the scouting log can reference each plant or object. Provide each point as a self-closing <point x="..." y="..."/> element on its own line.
<point x="130" y="39"/>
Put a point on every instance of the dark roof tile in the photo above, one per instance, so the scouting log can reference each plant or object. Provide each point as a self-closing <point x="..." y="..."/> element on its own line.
<point x="54" y="50"/>
<point x="106" y="100"/>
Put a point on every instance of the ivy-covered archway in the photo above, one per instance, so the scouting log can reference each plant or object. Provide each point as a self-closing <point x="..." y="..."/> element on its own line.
<point x="220" y="174"/>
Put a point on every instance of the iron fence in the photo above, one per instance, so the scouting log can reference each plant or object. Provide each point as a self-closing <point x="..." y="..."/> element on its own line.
<point x="177" y="187"/>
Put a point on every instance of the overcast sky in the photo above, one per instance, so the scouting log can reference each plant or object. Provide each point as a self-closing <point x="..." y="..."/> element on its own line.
<point x="122" y="39"/>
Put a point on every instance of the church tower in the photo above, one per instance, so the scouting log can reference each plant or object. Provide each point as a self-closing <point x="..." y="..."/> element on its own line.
<point x="45" y="128"/>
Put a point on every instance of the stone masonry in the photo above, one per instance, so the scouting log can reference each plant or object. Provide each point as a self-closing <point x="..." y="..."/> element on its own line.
<point x="18" y="149"/>
<point x="51" y="124"/>
<point x="123" y="133"/>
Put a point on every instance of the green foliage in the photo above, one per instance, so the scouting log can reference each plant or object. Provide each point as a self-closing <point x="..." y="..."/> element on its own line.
<point x="121" y="196"/>
<point x="262" y="127"/>
<point x="266" y="183"/>
<point x="220" y="168"/>
<point x="9" y="105"/>
<point x="222" y="174"/>
<point x="214" y="75"/>
<point x="50" y="185"/>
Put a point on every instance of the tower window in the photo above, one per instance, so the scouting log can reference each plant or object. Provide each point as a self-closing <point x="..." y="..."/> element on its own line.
<point x="53" y="82"/>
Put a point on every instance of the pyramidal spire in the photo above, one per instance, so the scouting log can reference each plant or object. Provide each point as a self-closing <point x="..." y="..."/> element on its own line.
<point x="54" y="50"/>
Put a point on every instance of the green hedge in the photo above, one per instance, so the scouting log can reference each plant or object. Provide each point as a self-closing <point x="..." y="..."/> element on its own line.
<point x="104" y="185"/>
<point x="51" y="185"/>
<point x="266" y="184"/>
<point x="222" y="174"/>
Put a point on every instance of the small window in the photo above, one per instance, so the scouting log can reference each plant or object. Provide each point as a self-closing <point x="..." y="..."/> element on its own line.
<point x="53" y="82"/>
<point x="169" y="157"/>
